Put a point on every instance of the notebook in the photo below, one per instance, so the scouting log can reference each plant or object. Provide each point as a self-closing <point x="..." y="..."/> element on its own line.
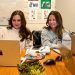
<point x="9" y="53"/>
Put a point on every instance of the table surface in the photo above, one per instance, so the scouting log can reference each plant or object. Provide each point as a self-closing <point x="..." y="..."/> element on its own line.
<point x="58" y="69"/>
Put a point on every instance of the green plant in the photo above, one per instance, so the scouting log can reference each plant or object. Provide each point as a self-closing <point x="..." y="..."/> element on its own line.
<point x="32" y="67"/>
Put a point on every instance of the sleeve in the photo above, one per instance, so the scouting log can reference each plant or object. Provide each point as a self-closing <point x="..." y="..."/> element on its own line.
<point x="28" y="43"/>
<point x="1" y="33"/>
<point x="45" y="40"/>
<point x="66" y="40"/>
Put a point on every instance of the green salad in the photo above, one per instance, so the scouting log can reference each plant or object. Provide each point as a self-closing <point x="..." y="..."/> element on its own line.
<point x="32" y="67"/>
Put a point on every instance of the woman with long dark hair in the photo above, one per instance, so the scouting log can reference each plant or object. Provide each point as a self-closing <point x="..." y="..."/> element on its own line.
<point x="54" y="33"/>
<point x="17" y="29"/>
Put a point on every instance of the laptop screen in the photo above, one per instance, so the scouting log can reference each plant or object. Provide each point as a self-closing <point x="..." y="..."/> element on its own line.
<point x="9" y="53"/>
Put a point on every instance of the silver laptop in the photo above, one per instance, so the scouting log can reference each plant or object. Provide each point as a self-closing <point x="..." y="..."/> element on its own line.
<point x="9" y="53"/>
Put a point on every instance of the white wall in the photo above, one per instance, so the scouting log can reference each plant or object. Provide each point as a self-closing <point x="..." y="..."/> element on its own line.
<point x="35" y="26"/>
<point x="67" y="10"/>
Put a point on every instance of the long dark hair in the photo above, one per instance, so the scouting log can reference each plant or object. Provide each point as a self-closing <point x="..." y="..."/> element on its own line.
<point x="59" y="28"/>
<point x="24" y="32"/>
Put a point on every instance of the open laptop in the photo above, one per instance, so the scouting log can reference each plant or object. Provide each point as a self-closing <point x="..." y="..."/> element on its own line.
<point x="9" y="53"/>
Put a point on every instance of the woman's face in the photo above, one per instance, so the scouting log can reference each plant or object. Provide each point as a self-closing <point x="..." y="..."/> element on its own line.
<point x="52" y="22"/>
<point x="16" y="21"/>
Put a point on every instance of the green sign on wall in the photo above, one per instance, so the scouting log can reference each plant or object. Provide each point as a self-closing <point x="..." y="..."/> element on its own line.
<point x="45" y="4"/>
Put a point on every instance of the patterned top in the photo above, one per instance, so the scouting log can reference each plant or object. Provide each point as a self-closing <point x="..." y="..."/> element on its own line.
<point x="49" y="38"/>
